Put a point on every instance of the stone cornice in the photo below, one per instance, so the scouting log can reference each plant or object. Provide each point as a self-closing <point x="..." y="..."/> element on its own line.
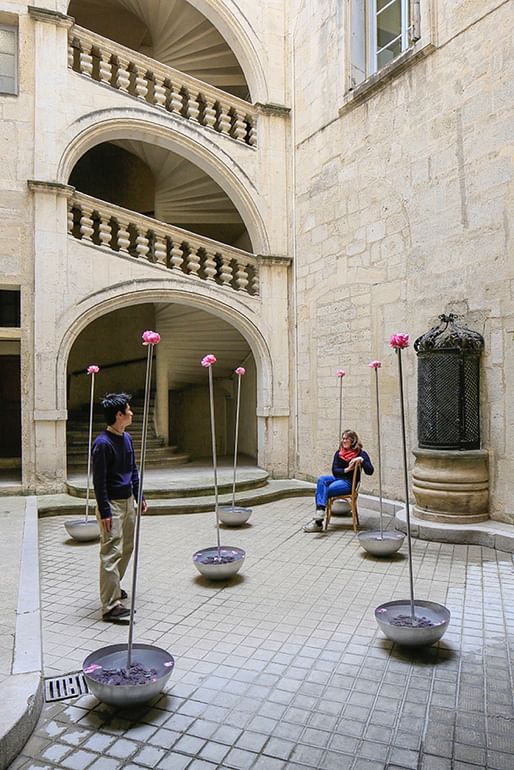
<point x="50" y="17"/>
<point x="56" y="188"/>
<point x="273" y="109"/>
<point x="273" y="259"/>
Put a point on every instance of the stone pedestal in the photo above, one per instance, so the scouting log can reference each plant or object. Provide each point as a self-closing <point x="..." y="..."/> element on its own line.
<point x="451" y="485"/>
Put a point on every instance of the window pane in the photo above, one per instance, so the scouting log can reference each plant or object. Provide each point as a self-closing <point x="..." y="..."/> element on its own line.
<point x="389" y="53"/>
<point x="7" y="41"/>
<point x="382" y="3"/>
<point x="7" y="67"/>
<point x="389" y="24"/>
<point x="7" y="85"/>
<point x="9" y="308"/>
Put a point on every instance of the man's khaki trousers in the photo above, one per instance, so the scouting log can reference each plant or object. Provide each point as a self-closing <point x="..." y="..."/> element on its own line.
<point x="115" y="551"/>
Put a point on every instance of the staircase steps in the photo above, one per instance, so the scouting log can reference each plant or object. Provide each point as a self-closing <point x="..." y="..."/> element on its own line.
<point x="157" y="453"/>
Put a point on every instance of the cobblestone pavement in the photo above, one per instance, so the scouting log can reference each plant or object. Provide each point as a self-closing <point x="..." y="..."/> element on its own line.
<point x="283" y="667"/>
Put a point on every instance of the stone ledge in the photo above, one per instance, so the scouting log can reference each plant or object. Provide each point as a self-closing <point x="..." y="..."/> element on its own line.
<point x="490" y="534"/>
<point x="22" y="696"/>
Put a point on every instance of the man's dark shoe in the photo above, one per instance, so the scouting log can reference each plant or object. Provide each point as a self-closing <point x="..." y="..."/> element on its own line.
<point x="117" y="614"/>
<point x="123" y="594"/>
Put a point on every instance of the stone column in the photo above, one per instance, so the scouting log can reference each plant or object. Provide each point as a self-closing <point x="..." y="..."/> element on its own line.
<point x="451" y="486"/>
<point x="161" y="393"/>
<point x="48" y="471"/>
<point x="273" y="421"/>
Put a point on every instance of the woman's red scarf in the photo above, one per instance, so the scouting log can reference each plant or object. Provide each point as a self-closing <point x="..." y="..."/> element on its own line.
<point x="348" y="454"/>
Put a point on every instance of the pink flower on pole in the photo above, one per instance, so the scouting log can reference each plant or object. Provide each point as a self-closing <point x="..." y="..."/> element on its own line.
<point x="93" y="369"/>
<point x="208" y="360"/>
<point x="240" y="370"/>
<point x="375" y="364"/>
<point x="340" y="373"/>
<point x="399" y="341"/>
<point x="151" y="338"/>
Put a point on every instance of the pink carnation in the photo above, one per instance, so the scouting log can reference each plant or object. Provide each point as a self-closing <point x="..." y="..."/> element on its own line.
<point x="93" y="369"/>
<point x="151" y="338"/>
<point x="399" y="341"/>
<point x="240" y="370"/>
<point x="340" y="373"/>
<point x="375" y="364"/>
<point x="208" y="360"/>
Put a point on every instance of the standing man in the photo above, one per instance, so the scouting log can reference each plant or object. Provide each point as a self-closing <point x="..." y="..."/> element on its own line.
<point x="116" y="483"/>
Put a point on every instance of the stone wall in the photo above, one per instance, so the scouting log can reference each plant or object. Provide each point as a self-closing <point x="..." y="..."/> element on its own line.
<point x="403" y="201"/>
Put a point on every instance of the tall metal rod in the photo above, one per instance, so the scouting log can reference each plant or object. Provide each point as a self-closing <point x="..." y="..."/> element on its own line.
<point x="406" y="480"/>
<point x="89" y="443"/>
<point x="236" y="437"/>
<point x="214" y="461"/>
<point x="340" y="408"/>
<point x="379" y="447"/>
<point x="146" y="410"/>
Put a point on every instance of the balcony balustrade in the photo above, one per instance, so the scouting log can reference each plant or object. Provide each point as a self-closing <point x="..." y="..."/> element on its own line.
<point x="163" y="87"/>
<point x="126" y="232"/>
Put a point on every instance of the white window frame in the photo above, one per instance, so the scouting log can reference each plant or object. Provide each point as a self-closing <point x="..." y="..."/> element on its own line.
<point x="14" y="29"/>
<point x="371" y="23"/>
<point x="361" y="61"/>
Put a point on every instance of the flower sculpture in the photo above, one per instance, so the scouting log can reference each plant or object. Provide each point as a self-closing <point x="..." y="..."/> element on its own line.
<point x="150" y="339"/>
<point x="208" y="362"/>
<point x="240" y="371"/>
<point x="92" y="369"/>
<point x="399" y="342"/>
<point x="340" y="374"/>
<point x="376" y="365"/>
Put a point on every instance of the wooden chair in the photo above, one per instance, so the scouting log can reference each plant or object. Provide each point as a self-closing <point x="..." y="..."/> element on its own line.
<point x="351" y="496"/>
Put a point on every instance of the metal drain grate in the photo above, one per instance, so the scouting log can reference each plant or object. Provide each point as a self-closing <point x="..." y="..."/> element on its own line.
<point x="67" y="686"/>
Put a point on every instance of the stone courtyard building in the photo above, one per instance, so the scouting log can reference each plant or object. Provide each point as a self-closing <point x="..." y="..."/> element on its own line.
<point x="283" y="183"/>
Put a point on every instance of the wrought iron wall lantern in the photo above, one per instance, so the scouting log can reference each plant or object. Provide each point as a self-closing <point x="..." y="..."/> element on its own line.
<point x="449" y="386"/>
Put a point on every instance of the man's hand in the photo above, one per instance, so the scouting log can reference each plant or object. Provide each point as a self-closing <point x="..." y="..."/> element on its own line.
<point x="106" y="524"/>
<point x="144" y="506"/>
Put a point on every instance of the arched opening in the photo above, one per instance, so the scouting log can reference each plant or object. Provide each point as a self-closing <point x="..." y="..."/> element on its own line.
<point x="172" y="32"/>
<point x="159" y="183"/>
<point x="179" y="419"/>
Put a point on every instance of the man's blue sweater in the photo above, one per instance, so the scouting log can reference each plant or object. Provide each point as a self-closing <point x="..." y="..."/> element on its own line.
<point x="115" y="475"/>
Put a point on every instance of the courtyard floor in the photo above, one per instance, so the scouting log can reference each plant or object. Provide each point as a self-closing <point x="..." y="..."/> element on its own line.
<point x="284" y="666"/>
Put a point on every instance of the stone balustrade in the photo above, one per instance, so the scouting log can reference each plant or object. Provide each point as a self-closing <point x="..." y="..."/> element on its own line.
<point x="166" y="88"/>
<point x="127" y="232"/>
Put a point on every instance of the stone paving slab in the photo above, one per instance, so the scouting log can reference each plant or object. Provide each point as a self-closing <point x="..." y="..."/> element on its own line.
<point x="284" y="666"/>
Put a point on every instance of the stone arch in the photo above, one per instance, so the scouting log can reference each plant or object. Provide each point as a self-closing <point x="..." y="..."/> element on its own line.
<point x="237" y="30"/>
<point x="105" y="125"/>
<point x="146" y="291"/>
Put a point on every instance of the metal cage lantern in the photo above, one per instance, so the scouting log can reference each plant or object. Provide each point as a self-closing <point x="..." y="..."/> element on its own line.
<point x="449" y="386"/>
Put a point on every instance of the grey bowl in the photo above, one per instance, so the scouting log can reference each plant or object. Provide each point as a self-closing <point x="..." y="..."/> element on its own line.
<point x="233" y="516"/>
<point x="381" y="545"/>
<point x="205" y="563"/>
<point x="115" y="657"/>
<point x="82" y="530"/>
<point x="409" y="636"/>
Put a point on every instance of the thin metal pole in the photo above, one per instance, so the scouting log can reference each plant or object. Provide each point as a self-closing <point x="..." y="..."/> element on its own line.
<point x="146" y="410"/>
<point x="89" y="443"/>
<point x="214" y="461"/>
<point x="236" y="440"/>
<point x="340" y="408"/>
<point x="406" y="480"/>
<point x="379" y="446"/>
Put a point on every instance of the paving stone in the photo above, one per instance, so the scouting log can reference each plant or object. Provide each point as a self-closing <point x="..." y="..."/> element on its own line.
<point x="276" y="672"/>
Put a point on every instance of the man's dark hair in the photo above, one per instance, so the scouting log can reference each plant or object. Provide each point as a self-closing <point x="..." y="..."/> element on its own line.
<point x="114" y="403"/>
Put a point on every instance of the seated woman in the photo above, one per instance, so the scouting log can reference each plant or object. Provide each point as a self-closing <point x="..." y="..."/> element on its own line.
<point x="349" y="453"/>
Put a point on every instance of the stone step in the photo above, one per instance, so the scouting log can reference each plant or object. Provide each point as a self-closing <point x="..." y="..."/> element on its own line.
<point x="275" y="489"/>
<point x="160" y="484"/>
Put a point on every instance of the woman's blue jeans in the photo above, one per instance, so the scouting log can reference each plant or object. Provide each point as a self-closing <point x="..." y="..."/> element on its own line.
<point x="329" y="486"/>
